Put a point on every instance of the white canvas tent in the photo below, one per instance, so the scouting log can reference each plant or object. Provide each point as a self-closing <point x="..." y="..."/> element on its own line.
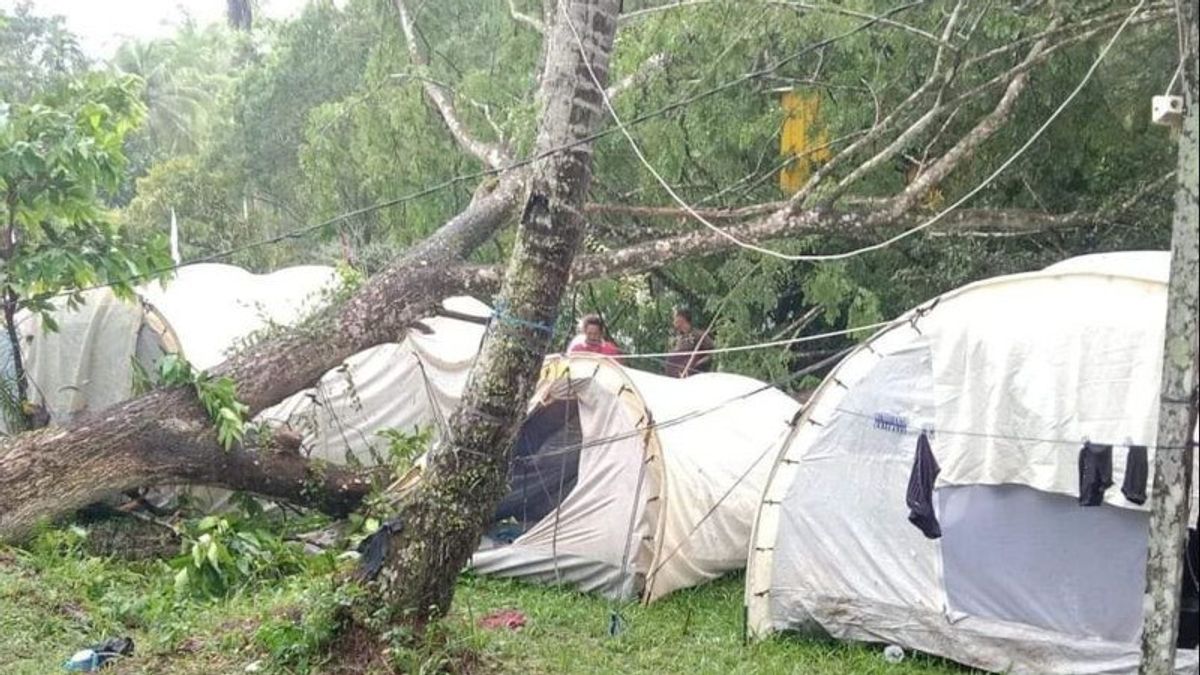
<point x="88" y="362"/>
<point x="632" y="484"/>
<point x="1009" y="375"/>
<point x="203" y="312"/>
<point x="212" y="308"/>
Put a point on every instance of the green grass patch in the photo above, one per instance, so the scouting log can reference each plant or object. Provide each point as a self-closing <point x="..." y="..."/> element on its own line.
<point x="55" y="598"/>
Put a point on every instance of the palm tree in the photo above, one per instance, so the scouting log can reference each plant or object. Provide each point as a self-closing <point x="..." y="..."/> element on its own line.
<point x="184" y="78"/>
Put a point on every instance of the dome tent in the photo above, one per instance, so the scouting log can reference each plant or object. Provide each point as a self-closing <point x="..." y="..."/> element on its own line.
<point x="632" y="484"/>
<point x="1006" y="378"/>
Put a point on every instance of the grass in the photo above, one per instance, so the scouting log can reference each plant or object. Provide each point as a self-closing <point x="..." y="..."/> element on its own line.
<point x="56" y="598"/>
<point x="697" y="630"/>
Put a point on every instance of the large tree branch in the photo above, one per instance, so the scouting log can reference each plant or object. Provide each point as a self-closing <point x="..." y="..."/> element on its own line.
<point x="649" y="255"/>
<point x="966" y="145"/>
<point x="493" y="155"/>
<point x="853" y="225"/>
<point x="166" y="437"/>
<point x="738" y="213"/>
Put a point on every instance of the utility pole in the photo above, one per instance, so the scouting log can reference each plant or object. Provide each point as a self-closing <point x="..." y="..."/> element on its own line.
<point x="1177" y="405"/>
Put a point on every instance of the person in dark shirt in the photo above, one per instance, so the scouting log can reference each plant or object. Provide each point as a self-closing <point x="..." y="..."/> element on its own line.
<point x="685" y="359"/>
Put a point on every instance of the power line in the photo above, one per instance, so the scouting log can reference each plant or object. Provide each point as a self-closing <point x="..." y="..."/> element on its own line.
<point x="622" y="127"/>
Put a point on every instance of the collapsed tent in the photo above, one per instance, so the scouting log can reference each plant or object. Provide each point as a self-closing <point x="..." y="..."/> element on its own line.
<point x="102" y="345"/>
<point x="623" y="483"/>
<point x="409" y="386"/>
<point x="930" y="493"/>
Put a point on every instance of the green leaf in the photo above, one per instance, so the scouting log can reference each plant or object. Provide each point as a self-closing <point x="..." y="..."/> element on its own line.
<point x="214" y="556"/>
<point x="182" y="578"/>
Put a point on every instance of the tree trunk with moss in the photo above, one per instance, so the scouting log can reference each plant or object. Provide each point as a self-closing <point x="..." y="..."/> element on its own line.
<point x="1177" y="406"/>
<point x="442" y="520"/>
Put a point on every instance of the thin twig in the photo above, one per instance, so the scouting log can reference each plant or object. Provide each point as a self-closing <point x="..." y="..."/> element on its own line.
<point x="530" y="21"/>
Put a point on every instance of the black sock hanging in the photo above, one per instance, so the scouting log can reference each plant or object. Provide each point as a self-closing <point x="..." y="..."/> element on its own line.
<point x="919" y="497"/>
<point x="1137" y="473"/>
<point x="1095" y="473"/>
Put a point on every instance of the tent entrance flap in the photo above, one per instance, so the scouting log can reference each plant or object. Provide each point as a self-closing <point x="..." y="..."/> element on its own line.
<point x="544" y="468"/>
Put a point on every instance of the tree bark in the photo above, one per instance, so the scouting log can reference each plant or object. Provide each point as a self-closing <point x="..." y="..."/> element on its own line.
<point x="442" y="519"/>
<point x="1177" y="407"/>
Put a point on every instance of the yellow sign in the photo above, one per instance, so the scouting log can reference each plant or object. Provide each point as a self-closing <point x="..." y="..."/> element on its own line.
<point x="802" y="138"/>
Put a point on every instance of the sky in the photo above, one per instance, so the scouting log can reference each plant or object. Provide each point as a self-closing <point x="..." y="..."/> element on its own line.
<point x="102" y="24"/>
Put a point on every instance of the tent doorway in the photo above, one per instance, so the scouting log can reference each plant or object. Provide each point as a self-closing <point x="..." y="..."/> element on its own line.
<point x="543" y="471"/>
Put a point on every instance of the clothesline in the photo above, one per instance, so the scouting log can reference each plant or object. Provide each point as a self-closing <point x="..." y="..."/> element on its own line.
<point x="933" y="432"/>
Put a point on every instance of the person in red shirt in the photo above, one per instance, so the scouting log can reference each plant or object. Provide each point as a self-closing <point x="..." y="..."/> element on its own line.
<point x="591" y="338"/>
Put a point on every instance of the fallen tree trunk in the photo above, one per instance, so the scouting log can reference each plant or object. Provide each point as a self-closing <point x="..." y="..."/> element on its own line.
<point x="166" y="437"/>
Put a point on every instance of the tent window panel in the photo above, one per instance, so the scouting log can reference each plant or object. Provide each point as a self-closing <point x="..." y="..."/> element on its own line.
<point x="544" y="468"/>
<point x="1014" y="553"/>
